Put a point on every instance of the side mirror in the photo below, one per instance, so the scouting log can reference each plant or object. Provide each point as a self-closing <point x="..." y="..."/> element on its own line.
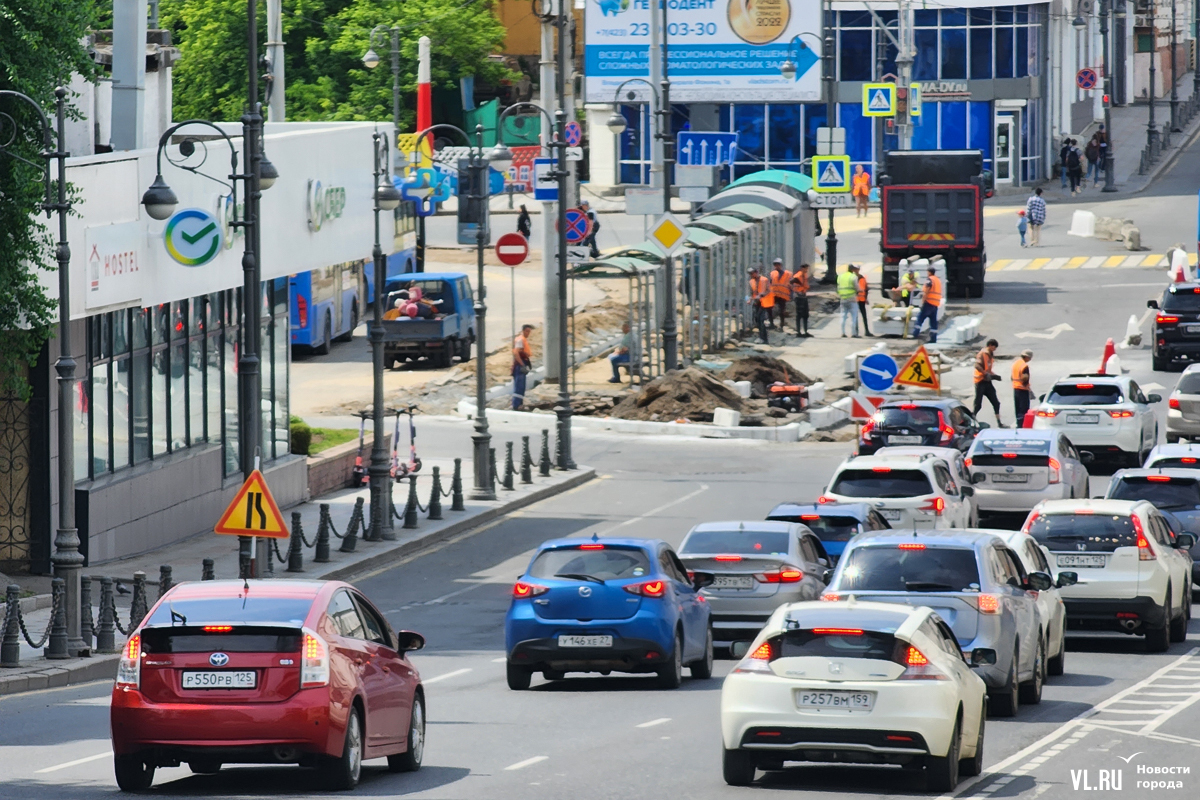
<point x="983" y="657"/>
<point x="826" y="576"/>
<point x="1185" y="541"/>
<point x="1041" y="397"/>
<point x="968" y="491"/>
<point x="1067" y="579"/>
<point x="1154" y="398"/>
<point x="822" y="562"/>
<point x="978" y="477"/>
<point x="702" y="579"/>
<point x="983" y="425"/>
<point x="739" y="649"/>
<point x="407" y="641"/>
<point x="1038" y="581"/>
<point x="1086" y="458"/>
<point x="1151" y="304"/>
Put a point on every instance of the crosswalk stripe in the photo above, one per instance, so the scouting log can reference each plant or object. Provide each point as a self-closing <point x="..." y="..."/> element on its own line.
<point x="1093" y="262"/>
<point x="1113" y="261"/>
<point x="999" y="264"/>
<point x="1154" y="260"/>
<point x="1076" y="262"/>
<point x="1038" y="263"/>
<point x="1057" y="263"/>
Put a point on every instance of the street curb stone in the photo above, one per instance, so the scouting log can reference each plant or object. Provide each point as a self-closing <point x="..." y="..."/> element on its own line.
<point x="91" y="669"/>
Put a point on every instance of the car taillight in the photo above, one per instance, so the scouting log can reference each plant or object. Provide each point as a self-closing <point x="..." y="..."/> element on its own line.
<point x="1163" y="319"/>
<point x="968" y="461"/>
<point x="831" y="597"/>
<point x="784" y="575"/>
<point x="301" y="311"/>
<point x="647" y="589"/>
<point x="757" y="661"/>
<point x="522" y="589"/>
<point x="314" y="661"/>
<point x="1173" y="403"/>
<point x="1032" y="518"/>
<point x="935" y="505"/>
<point x="947" y="430"/>
<point x="823" y="499"/>
<point x="1159" y="478"/>
<point x="1045" y="412"/>
<point x="1055" y="470"/>
<point x="918" y="668"/>
<point x="865" y="434"/>
<point x="1120" y="414"/>
<point x="129" y="668"/>
<point x="911" y="546"/>
<point x="988" y="603"/>
<point x="1145" y="551"/>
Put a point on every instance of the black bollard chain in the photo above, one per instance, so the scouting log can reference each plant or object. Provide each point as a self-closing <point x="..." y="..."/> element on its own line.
<point x="544" y="460"/>
<point x="509" y="469"/>
<point x="85" y="610"/>
<point x="435" y="495"/>
<point x="54" y="604"/>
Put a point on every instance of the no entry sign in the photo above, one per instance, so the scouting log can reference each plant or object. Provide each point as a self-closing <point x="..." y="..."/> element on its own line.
<point x="512" y="249"/>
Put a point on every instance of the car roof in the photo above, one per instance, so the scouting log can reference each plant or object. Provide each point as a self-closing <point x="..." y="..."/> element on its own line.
<point x="859" y="510"/>
<point x="947" y="453"/>
<point x="1017" y="433"/>
<point x="640" y="544"/>
<point x="968" y="537"/>
<point x="756" y="526"/>
<point x="868" y="462"/>
<point x="1176" y="448"/>
<point x="197" y="590"/>
<point x="1094" y="377"/>
<point x="1101" y="506"/>
<point x="1170" y="472"/>
<point x="1009" y="537"/>
<point x="1191" y="286"/>
<point x="932" y="402"/>
<point x="1189" y="368"/>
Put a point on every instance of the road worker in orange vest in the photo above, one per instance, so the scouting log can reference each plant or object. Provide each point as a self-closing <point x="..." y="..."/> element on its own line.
<point x="985" y="366"/>
<point x="930" y="303"/>
<point x="781" y="288"/>
<point x="1022" y="394"/>
<point x="861" y="191"/>
<point x="862" y="303"/>
<point x="761" y="301"/>
<point x="800" y="286"/>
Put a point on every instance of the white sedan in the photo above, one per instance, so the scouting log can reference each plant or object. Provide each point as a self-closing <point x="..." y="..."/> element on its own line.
<point x="855" y="682"/>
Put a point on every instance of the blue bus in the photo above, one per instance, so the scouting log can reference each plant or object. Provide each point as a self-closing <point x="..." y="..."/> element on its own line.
<point x="328" y="303"/>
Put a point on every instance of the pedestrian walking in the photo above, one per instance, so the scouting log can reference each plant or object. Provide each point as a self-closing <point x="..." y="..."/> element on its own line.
<point x="590" y="241"/>
<point x="861" y="190"/>
<point x="1022" y="394"/>
<point x="863" y="288"/>
<point x="985" y="363"/>
<point x="522" y="363"/>
<point x="1075" y="166"/>
<point x="847" y="290"/>
<point x="931" y="302"/>
<point x="761" y="299"/>
<point x="1035" y="210"/>
<point x="1102" y="142"/>
<point x="621" y="354"/>
<point x="1062" y="160"/>
<point x="524" y="223"/>
<point x="1092" y="153"/>
<point x="1022" y="224"/>
<point x="781" y="287"/>
<point x="800" y="287"/>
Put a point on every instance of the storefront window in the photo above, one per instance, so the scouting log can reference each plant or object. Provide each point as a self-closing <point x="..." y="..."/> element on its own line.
<point x="121" y="420"/>
<point x="748" y="122"/>
<point x="99" y="420"/>
<point x="856" y="56"/>
<point x="954" y="53"/>
<point x="140" y="397"/>
<point x="1004" y="53"/>
<point x="981" y="53"/>
<point x="212" y="388"/>
<point x="925" y="67"/>
<point x="785" y="133"/>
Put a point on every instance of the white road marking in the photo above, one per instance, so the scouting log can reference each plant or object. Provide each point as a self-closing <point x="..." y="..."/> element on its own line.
<point x="527" y="762"/>
<point x="654" y="722"/>
<point x="74" y="763"/>
<point x="444" y="676"/>
<point x="499" y="660"/>
<point x="703" y="488"/>
<point x="105" y="700"/>
<point x="1129" y="285"/>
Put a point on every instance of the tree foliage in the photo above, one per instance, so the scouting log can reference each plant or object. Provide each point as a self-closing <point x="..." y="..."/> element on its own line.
<point x="41" y="44"/>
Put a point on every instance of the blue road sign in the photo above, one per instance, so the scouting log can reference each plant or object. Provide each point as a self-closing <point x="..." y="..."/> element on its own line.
<point x="1086" y="78"/>
<point x="705" y="148"/>
<point x="831" y="173"/>
<point x="879" y="100"/>
<point x="545" y="185"/>
<point x="877" y="372"/>
<point x="573" y="133"/>
<point x="578" y="225"/>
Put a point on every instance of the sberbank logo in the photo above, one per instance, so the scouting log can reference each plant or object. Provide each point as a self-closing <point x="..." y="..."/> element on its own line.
<point x="323" y="203"/>
<point x="193" y="237"/>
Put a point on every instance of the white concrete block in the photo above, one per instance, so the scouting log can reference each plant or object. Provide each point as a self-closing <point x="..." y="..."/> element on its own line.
<point x="726" y="418"/>
<point x="816" y="393"/>
<point x="1083" y="223"/>
<point x="741" y="387"/>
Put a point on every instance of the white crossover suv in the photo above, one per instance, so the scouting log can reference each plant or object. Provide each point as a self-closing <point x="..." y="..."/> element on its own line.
<point x="908" y="492"/>
<point x="1105" y="415"/>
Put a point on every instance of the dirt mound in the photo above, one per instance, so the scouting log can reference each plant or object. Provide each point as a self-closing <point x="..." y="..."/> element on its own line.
<point x="762" y="371"/>
<point x="689" y="393"/>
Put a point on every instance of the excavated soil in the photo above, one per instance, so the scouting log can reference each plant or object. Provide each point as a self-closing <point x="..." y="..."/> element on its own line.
<point x="689" y="393"/>
<point x="762" y="371"/>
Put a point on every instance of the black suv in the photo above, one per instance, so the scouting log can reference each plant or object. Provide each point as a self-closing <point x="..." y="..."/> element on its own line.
<point x="929" y="422"/>
<point x="1177" y="326"/>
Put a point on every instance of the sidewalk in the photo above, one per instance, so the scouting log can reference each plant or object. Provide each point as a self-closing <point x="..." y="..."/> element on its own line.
<point x="185" y="558"/>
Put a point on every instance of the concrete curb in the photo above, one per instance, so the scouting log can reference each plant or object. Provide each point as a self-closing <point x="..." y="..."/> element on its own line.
<point x="51" y="677"/>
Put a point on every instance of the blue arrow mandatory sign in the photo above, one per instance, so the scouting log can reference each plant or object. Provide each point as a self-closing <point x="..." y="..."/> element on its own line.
<point x="878" y="371"/>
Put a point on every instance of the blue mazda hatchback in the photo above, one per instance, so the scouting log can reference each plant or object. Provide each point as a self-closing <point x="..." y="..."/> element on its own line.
<point x="608" y="605"/>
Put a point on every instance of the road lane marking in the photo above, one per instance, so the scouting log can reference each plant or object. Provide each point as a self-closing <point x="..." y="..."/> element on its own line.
<point x="1038" y="263"/>
<point x="654" y="722"/>
<point x="703" y="488"/>
<point x="1128" y="285"/>
<point x="1153" y="260"/>
<point x="1093" y="262"/>
<point x="74" y="763"/>
<point x="999" y="264"/>
<point x="1076" y="262"/>
<point x="1113" y="261"/>
<point x="500" y="660"/>
<point x="444" y="676"/>
<point x="527" y="762"/>
<point x="1057" y="263"/>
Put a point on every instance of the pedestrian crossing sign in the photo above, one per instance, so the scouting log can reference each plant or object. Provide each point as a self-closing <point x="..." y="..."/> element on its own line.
<point x="919" y="371"/>
<point x="879" y="100"/>
<point x="831" y="173"/>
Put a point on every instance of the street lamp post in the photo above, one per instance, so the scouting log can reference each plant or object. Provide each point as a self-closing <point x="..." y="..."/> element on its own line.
<point x="501" y="157"/>
<point x="670" y="330"/>
<point x="1174" y="68"/>
<point x="371" y="60"/>
<point x="67" y="560"/>
<point x="386" y="198"/>
<point x="1109" y="179"/>
<point x="1151" y="127"/>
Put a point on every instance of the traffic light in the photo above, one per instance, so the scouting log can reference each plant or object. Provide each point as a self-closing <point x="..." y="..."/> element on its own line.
<point x="901" y="102"/>
<point x="468" y="204"/>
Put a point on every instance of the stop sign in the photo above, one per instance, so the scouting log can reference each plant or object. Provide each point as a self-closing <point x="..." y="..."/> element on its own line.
<point x="512" y="249"/>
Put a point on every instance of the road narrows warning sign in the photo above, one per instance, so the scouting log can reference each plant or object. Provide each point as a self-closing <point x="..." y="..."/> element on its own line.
<point x="253" y="512"/>
<point x="919" y="371"/>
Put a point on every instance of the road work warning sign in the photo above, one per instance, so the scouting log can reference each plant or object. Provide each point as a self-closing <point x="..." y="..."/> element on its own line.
<point x="918" y="371"/>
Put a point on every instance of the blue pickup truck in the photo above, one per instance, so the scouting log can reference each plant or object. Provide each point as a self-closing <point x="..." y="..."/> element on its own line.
<point x="444" y="327"/>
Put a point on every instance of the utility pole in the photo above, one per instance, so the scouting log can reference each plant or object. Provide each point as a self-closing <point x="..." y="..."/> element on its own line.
<point x="1151" y="125"/>
<point x="1174" y="68"/>
<point x="275" y="103"/>
<point x="657" y="34"/>
<point x="548" y="100"/>
<point x="1107" y="164"/>
<point x="563" y="408"/>
<point x="904" y="62"/>
<point x="670" y="332"/>
<point x="827" y="63"/>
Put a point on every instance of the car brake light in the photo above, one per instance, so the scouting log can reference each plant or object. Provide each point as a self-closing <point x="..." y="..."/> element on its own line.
<point x="838" y="631"/>
<point x="1188" y="460"/>
<point x="727" y="558"/>
<point x="935" y="504"/>
<point x="865" y="434"/>
<point x="823" y="499"/>
<point x="757" y="661"/>
<point x="647" y="589"/>
<point x="1145" y="551"/>
<point x="314" y="661"/>
<point x="1163" y="319"/>
<point x="807" y="517"/>
<point x="129" y="668"/>
<point x="918" y="667"/>
<point x="988" y="603"/>
<point x="1085" y="386"/>
<point x="217" y="628"/>
<point x="784" y="575"/>
<point x="909" y="406"/>
<point x="947" y="430"/>
<point x="301" y="311"/>
<point x="831" y="597"/>
<point x="1159" y="478"/>
<point x="911" y="546"/>
<point x="1055" y="471"/>
<point x="1120" y="414"/>
<point x="1032" y="518"/>
<point x="1126" y="615"/>
<point x="1084" y="511"/>
<point x="522" y="589"/>
<point x="1045" y="412"/>
<point x="591" y="547"/>
<point x="881" y="469"/>
<point x="1173" y="402"/>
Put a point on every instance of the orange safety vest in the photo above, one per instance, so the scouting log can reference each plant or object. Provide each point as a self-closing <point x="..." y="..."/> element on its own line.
<point x="760" y="292"/>
<point x="862" y="184"/>
<point x="800" y="283"/>
<point x="933" y="291"/>
<point x="984" y="362"/>
<point x="522" y="352"/>
<point x="1020" y="374"/>
<point x="780" y="284"/>
<point x="862" y="288"/>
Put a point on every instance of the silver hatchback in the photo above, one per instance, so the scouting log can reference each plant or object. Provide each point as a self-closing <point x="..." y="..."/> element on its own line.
<point x="757" y="566"/>
<point x="1183" y="407"/>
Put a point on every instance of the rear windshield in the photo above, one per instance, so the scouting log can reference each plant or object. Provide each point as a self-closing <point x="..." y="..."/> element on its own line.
<point x="831" y="529"/>
<point x="889" y="483"/>
<point x="1084" y="532"/>
<point x="1029" y="447"/>
<point x="749" y="543"/>
<point x="206" y="610"/>
<point x="1169" y="494"/>
<point x="1185" y="302"/>
<point x="855" y="643"/>
<point x="1189" y="384"/>
<point x="1085" y="394"/>
<point x="1184" y="462"/>
<point x="907" y="417"/>
<point x="247" y="639"/>
<point x="608" y="563"/>
<point x="892" y="569"/>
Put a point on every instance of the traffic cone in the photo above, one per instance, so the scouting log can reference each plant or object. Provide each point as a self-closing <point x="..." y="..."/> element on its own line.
<point x="1179" y="265"/>
<point x="1028" y="421"/>
<point x="1109" y="350"/>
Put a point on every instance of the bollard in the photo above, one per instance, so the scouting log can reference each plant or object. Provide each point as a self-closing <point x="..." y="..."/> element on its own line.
<point x="435" y="496"/>
<point x="206" y="570"/>
<point x="322" y="552"/>
<point x="526" y="461"/>
<point x="388" y="532"/>
<point x="456" y="492"/>
<point x="544" y="461"/>
<point x="10" y="649"/>
<point x="138" y="607"/>
<point x="558" y="454"/>
<point x="410" y="508"/>
<point x="350" y="540"/>
<point x="85" y="611"/>
<point x="58" y="621"/>
<point x="106" y="635"/>
<point x="509" y="470"/>
<point x="165" y="581"/>
<point x="296" y="546"/>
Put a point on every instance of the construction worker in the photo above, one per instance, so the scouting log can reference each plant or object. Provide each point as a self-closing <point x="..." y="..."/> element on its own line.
<point x="931" y="302"/>
<point x="862" y="303"/>
<point x="909" y="285"/>
<point x="781" y="288"/>
<point x="861" y="191"/>
<point x="800" y="293"/>
<point x="847" y="290"/>
<point x="761" y="300"/>
<point x="522" y="363"/>
<point x="985" y="362"/>
<point x="1022" y="394"/>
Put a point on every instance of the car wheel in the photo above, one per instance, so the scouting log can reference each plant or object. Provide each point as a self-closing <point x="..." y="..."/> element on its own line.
<point x="970" y="767"/>
<point x="410" y="759"/>
<point x="1179" y="625"/>
<point x="703" y="668"/>
<point x="670" y="676"/>
<point x="464" y="351"/>
<point x="553" y="674"/>
<point x="322" y="349"/>
<point x="518" y="677"/>
<point x="133" y="773"/>
<point x="941" y="774"/>
<point x="1031" y="690"/>
<point x="1058" y="664"/>
<point x="205" y="766"/>
<point x="342" y="772"/>
<point x="738" y="767"/>
<point x="1159" y="364"/>
<point x="1006" y="702"/>
<point x="1158" y="639"/>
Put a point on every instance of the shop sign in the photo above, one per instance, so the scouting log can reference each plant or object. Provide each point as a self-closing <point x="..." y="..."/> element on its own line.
<point x="935" y="89"/>
<point x="113" y="254"/>
<point x="323" y="203"/>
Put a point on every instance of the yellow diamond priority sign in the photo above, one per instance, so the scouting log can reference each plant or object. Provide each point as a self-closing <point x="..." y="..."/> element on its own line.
<point x="668" y="233"/>
<point x="253" y="512"/>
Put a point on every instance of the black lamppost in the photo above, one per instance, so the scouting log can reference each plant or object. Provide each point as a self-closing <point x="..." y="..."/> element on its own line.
<point x="485" y="488"/>
<point x="501" y="156"/>
<point x="1151" y="127"/>
<point x="67" y="559"/>
<point x="387" y="198"/>
<point x="1174" y="69"/>
<point x="371" y="59"/>
<point x="1080" y="23"/>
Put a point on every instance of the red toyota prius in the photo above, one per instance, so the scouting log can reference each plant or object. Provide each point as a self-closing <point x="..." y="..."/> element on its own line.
<point x="275" y="672"/>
